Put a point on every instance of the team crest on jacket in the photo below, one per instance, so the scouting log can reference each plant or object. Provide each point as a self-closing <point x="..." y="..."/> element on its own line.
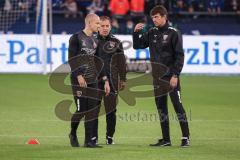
<point x="110" y="47"/>
<point x="79" y="93"/>
<point x="111" y="44"/>
<point x="165" y="37"/>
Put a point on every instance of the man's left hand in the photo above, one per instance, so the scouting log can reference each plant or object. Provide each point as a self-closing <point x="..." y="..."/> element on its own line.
<point x="173" y="82"/>
<point x="107" y="88"/>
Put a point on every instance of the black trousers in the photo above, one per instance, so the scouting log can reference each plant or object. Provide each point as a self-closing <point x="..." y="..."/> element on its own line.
<point x="161" y="103"/>
<point x="87" y="107"/>
<point x="110" y="104"/>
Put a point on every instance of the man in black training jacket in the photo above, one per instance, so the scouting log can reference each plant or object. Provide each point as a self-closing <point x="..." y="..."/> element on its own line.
<point x="111" y="52"/>
<point x="165" y="45"/>
<point x="84" y="77"/>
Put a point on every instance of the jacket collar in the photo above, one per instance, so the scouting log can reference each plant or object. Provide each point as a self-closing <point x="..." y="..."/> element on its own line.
<point x="104" y="38"/>
<point x="163" y="28"/>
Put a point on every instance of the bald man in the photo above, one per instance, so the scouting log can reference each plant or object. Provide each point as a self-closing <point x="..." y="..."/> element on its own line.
<point x="84" y="75"/>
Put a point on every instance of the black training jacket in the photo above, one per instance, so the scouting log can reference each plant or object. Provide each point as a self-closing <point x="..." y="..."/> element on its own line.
<point x="83" y="58"/>
<point x="110" y="50"/>
<point x="165" y="45"/>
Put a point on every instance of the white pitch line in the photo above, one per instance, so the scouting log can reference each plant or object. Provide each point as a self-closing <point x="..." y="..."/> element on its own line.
<point x="31" y="120"/>
<point x="26" y="136"/>
<point x="199" y="120"/>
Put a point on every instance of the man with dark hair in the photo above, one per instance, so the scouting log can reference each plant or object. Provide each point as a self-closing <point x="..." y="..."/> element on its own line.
<point x="84" y="76"/>
<point x="165" y="45"/>
<point x="159" y="10"/>
<point x="111" y="52"/>
<point x="152" y="3"/>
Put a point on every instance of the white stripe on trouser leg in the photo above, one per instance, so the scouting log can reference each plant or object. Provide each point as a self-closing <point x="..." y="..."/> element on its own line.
<point x="179" y="96"/>
<point x="78" y="104"/>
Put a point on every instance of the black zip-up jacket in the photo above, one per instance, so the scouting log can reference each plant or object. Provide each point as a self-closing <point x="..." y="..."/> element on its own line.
<point x="83" y="58"/>
<point x="165" y="45"/>
<point x="110" y="50"/>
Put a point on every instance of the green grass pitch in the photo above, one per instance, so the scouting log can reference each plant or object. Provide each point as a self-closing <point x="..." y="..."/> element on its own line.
<point x="212" y="103"/>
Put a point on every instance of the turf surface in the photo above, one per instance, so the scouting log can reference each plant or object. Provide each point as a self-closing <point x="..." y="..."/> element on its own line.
<point x="27" y="106"/>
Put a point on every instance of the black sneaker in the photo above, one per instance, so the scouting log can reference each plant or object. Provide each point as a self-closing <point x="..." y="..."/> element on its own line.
<point x="185" y="142"/>
<point x="73" y="140"/>
<point x="109" y="140"/>
<point x="161" y="143"/>
<point x="92" y="145"/>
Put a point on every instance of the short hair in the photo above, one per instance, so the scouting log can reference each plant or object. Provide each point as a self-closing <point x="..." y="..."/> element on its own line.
<point x="104" y="18"/>
<point x="159" y="9"/>
<point x="89" y="17"/>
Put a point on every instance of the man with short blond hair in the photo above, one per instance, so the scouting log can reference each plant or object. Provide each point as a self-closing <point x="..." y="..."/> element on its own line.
<point x="84" y="76"/>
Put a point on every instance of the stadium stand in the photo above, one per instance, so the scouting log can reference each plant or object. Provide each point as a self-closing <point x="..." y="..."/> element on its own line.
<point x="204" y="17"/>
